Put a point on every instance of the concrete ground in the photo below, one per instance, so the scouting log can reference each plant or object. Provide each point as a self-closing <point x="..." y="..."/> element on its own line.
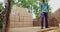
<point x="25" y="29"/>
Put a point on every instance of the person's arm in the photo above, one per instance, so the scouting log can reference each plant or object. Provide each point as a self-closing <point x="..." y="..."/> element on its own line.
<point x="40" y="9"/>
<point x="40" y="6"/>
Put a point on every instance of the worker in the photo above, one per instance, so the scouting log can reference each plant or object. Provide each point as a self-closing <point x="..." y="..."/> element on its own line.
<point x="44" y="13"/>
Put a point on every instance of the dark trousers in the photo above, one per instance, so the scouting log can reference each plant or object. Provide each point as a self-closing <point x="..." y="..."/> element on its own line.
<point x="44" y="14"/>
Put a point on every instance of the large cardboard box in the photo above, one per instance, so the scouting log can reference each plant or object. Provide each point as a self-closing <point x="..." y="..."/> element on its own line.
<point x="16" y="18"/>
<point x="12" y="18"/>
<point x="27" y="23"/>
<point x="57" y="15"/>
<point x="17" y="24"/>
<point x="11" y="24"/>
<point x="20" y="17"/>
<point x="21" y="24"/>
<point x="26" y="18"/>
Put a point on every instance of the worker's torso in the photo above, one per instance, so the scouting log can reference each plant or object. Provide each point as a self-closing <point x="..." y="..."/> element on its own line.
<point x="44" y="7"/>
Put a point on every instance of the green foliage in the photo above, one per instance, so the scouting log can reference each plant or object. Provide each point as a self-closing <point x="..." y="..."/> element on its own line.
<point x="0" y="30"/>
<point x="1" y="15"/>
<point x="1" y="21"/>
<point x="12" y="3"/>
<point x="1" y="7"/>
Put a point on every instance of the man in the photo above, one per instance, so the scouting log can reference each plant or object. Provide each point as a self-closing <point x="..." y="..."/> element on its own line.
<point x="44" y="13"/>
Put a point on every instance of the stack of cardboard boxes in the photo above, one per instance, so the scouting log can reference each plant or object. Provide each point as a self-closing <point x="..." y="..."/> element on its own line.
<point x="20" y="17"/>
<point x="57" y="16"/>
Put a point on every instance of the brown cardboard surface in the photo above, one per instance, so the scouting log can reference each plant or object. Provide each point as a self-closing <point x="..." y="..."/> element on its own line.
<point x="20" y="17"/>
<point x="57" y="16"/>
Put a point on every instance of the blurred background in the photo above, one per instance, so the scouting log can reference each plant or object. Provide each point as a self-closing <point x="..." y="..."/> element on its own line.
<point x="33" y="7"/>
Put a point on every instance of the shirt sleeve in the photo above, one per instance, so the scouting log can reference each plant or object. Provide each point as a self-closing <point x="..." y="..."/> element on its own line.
<point x="40" y="6"/>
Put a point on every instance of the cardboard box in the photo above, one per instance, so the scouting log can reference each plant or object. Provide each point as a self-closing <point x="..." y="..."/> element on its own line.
<point x="16" y="18"/>
<point x="11" y="22"/>
<point x="27" y="19"/>
<point x="21" y="24"/>
<point x="12" y="26"/>
<point x="11" y="18"/>
<point x="17" y="24"/>
<point x="57" y="16"/>
<point x="21" y="19"/>
<point x="27" y="25"/>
